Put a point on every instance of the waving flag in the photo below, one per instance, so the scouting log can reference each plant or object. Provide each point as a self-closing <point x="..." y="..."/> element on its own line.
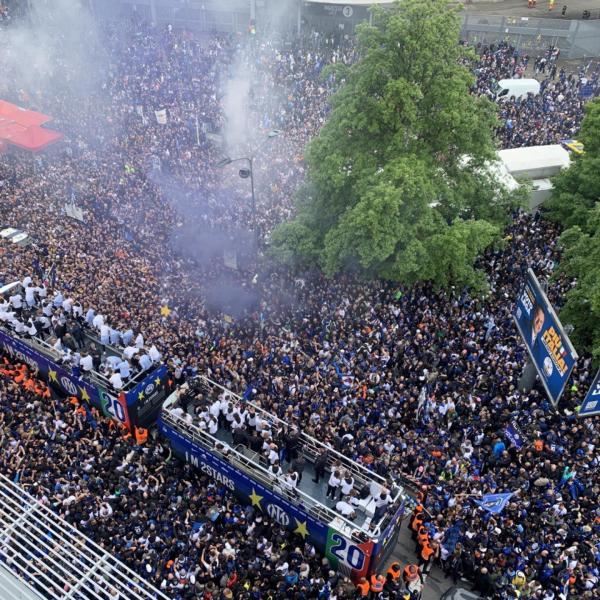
<point x="514" y="435"/>
<point x="494" y="503"/>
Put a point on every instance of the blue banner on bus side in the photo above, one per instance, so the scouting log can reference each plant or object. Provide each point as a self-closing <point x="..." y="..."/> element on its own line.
<point x="591" y="403"/>
<point x="58" y="377"/>
<point x="145" y="400"/>
<point x="340" y="550"/>
<point x="548" y="345"/>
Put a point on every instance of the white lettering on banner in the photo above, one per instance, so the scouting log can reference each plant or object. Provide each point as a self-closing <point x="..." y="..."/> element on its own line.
<point x="68" y="385"/>
<point x="210" y="471"/>
<point x="526" y="301"/>
<point x="19" y="356"/>
<point x="278" y="514"/>
<point x="347" y="553"/>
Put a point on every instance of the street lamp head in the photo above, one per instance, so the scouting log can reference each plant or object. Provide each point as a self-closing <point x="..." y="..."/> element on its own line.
<point x="273" y="133"/>
<point x="223" y="162"/>
<point x="245" y="173"/>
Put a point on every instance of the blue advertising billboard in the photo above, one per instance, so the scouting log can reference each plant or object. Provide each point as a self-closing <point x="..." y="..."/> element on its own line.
<point x="591" y="403"/>
<point x="342" y="552"/>
<point x="549" y="347"/>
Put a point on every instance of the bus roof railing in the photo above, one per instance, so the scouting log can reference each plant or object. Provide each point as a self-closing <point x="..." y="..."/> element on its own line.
<point x="259" y="473"/>
<point x="94" y="377"/>
<point x="315" y="446"/>
<point x="36" y="545"/>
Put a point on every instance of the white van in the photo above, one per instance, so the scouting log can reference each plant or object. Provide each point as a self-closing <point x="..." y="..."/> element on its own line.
<point x="519" y="88"/>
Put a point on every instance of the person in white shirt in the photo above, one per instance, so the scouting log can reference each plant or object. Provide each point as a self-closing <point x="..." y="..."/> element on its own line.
<point x="67" y="305"/>
<point x="273" y="454"/>
<point x="290" y="483"/>
<point x="112" y="362"/>
<point x="346" y="485"/>
<point x="42" y="291"/>
<point x="30" y="295"/>
<point x="145" y="362"/>
<point x="275" y="471"/>
<point x="89" y="316"/>
<point x="16" y="301"/>
<point x="31" y="328"/>
<point x="215" y="408"/>
<point x="130" y="352"/>
<point x="155" y="355"/>
<point x="97" y="322"/>
<point x="139" y="341"/>
<point x="333" y="484"/>
<point x="345" y="509"/>
<point x="87" y="363"/>
<point x="47" y="308"/>
<point x="116" y="381"/>
<point x="124" y="369"/>
<point x="381" y="503"/>
<point x="213" y="425"/>
<point x="77" y="310"/>
<point x="104" y="334"/>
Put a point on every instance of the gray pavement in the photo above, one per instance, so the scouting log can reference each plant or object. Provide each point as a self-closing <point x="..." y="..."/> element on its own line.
<point x="436" y="583"/>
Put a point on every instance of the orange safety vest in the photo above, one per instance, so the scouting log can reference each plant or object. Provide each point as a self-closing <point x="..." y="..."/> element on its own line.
<point x="417" y="523"/>
<point x="363" y="588"/>
<point x="427" y="551"/>
<point x="141" y="435"/>
<point x="125" y="432"/>
<point x="394" y="572"/>
<point x="410" y="575"/>
<point x="29" y="385"/>
<point x="376" y="584"/>
<point x="21" y="374"/>
<point x="422" y="536"/>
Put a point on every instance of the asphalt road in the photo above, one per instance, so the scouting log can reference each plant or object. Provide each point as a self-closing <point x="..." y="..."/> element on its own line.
<point x="436" y="583"/>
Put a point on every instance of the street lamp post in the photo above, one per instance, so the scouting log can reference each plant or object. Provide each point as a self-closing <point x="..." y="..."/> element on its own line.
<point x="249" y="173"/>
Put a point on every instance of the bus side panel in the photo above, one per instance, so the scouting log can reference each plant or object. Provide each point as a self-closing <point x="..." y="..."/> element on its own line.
<point x="62" y="380"/>
<point x="387" y="541"/>
<point x="145" y="400"/>
<point x="344" y="554"/>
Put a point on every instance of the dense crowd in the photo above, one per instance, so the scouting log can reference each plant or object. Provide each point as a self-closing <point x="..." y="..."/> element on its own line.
<point x="349" y="361"/>
<point x="549" y="117"/>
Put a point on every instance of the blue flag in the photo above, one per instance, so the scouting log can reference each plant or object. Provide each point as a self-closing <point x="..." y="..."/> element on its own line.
<point x="494" y="503"/>
<point x="515" y="437"/>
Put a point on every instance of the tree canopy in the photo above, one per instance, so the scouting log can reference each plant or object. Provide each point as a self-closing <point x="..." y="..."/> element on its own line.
<point x="397" y="185"/>
<point x="575" y="204"/>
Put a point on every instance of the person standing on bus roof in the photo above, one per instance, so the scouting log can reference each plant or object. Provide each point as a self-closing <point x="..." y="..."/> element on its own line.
<point x="333" y="484"/>
<point x="346" y="485"/>
<point x="321" y="464"/>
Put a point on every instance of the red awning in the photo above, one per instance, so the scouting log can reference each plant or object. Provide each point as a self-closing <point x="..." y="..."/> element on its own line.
<point x="21" y="127"/>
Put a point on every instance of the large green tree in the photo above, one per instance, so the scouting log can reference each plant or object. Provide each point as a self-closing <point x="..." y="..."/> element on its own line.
<point x="575" y="204"/>
<point x="397" y="185"/>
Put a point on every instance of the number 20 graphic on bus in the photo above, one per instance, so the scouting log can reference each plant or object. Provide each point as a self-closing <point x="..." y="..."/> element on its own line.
<point x="347" y="553"/>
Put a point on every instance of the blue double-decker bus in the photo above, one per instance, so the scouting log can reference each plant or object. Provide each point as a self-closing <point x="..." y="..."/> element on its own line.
<point x="136" y="404"/>
<point x="357" y="544"/>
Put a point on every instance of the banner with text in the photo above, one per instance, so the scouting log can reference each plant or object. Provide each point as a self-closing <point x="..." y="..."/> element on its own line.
<point x="548" y="345"/>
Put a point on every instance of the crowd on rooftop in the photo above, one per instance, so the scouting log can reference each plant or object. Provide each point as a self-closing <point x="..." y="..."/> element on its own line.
<point x="349" y="362"/>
